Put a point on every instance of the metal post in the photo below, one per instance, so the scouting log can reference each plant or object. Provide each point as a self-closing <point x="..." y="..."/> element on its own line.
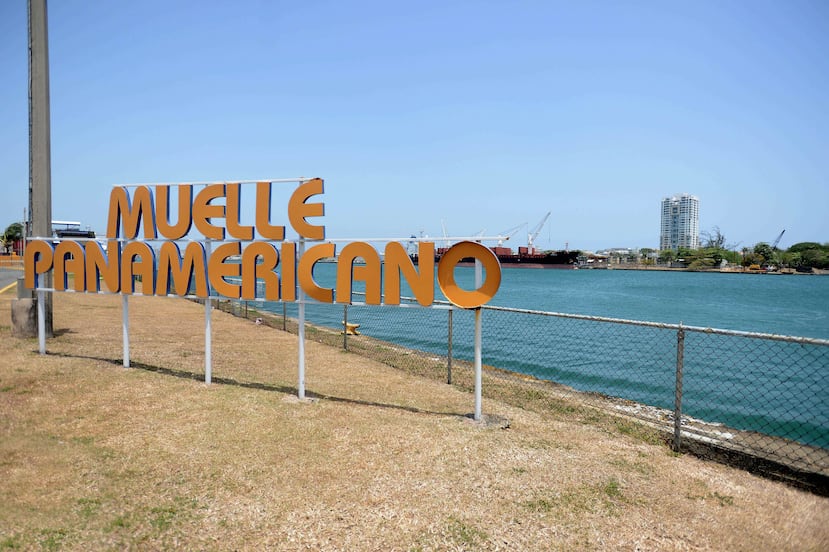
<point x="345" y="327"/>
<point x="301" y="334"/>
<point x="284" y="317"/>
<point x="680" y="359"/>
<point x="40" y="165"/>
<point x="478" y="368"/>
<point x="41" y="321"/>
<point x="208" y="345"/>
<point x="478" y="324"/>
<point x="449" y="350"/>
<point x="125" y="326"/>
<point x="208" y="329"/>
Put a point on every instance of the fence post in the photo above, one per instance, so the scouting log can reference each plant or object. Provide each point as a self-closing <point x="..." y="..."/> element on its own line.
<point x="284" y="317"/>
<point x="345" y="327"/>
<point x="449" y="350"/>
<point x="680" y="358"/>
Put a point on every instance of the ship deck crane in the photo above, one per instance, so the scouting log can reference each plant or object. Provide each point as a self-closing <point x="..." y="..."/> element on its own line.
<point x="445" y="235"/>
<point x="537" y="230"/>
<point x="507" y="234"/>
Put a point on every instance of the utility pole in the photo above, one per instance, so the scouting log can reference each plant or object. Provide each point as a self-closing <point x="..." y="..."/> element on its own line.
<point x="40" y="162"/>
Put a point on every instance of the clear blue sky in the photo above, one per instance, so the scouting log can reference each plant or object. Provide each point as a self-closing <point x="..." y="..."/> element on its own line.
<point x="475" y="115"/>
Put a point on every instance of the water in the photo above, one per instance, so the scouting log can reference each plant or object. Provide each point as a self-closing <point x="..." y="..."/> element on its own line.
<point x="781" y="304"/>
<point x="772" y="387"/>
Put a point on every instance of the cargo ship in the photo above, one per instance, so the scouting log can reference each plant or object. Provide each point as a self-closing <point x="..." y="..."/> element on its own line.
<point x="532" y="258"/>
<point x="525" y="258"/>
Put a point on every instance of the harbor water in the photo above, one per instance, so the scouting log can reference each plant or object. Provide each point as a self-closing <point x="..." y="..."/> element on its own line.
<point x="784" y="304"/>
<point x="747" y="384"/>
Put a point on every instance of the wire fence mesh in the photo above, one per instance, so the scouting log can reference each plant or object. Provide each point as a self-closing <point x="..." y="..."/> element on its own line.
<point x="758" y="400"/>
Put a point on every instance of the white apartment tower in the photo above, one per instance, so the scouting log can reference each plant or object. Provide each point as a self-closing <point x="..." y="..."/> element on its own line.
<point x="680" y="222"/>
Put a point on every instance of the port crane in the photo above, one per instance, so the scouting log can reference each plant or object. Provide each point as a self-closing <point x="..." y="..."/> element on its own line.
<point x="535" y="231"/>
<point x="774" y="245"/>
<point x="767" y="264"/>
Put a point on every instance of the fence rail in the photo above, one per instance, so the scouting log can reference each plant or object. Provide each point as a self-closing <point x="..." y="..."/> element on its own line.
<point x="752" y="398"/>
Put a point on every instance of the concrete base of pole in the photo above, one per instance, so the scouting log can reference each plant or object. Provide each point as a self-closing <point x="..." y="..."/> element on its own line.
<point x="24" y="313"/>
<point x="490" y="421"/>
<point x="22" y="291"/>
<point x="24" y="318"/>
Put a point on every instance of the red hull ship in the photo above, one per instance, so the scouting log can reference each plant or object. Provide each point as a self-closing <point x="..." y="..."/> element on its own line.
<point x="523" y="259"/>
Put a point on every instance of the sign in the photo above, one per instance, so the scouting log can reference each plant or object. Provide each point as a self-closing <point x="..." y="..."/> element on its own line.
<point x="245" y="252"/>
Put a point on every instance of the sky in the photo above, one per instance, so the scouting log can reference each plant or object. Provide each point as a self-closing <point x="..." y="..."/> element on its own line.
<point x="433" y="117"/>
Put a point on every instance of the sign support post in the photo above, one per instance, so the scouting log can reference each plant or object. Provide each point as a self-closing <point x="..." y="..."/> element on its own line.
<point x="125" y="325"/>
<point x="208" y="328"/>
<point x="41" y="321"/>
<point x="301" y="334"/>
<point x="478" y="366"/>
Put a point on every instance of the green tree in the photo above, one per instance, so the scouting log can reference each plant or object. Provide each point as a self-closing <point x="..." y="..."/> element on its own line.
<point x="733" y="257"/>
<point x="816" y="258"/>
<point x="666" y="256"/>
<point x="791" y="259"/>
<point x="647" y="255"/>
<point x="13" y="233"/>
<point x="702" y="263"/>
<point x="751" y="258"/>
<point x="809" y="254"/>
<point x="686" y="253"/>
<point x="765" y="251"/>
<point x="804" y="246"/>
<point x="690" y="256"/>
<point x="714" y="254"/>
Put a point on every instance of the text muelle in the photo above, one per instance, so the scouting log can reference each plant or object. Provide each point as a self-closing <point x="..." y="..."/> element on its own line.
<point x="130" y="214"/>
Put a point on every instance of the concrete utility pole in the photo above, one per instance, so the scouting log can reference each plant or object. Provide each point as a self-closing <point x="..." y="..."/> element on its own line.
<point x="40" y="164"/>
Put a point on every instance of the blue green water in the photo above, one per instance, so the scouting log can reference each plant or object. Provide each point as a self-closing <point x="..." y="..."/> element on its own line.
<point x="781" y="304"/>
<point x="767" y="386"/>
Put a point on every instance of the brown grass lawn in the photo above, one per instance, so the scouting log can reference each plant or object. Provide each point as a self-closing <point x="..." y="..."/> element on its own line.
<point x="97" y="457"/>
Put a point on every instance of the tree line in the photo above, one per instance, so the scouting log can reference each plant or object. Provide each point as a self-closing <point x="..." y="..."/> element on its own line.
<point x="715" y="249"/>
<point x="12" y="235"/>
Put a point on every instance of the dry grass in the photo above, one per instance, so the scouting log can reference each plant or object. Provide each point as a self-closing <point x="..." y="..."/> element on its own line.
<point x="95" y="456"/>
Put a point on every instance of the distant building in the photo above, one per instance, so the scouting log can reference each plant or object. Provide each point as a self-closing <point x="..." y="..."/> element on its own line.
<point x="680" y="222"/>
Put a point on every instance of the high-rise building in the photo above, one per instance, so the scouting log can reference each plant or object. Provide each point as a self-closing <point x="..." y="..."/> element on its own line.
<point x="680" y="222"/>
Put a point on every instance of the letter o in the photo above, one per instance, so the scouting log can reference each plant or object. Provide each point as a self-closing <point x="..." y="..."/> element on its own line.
<point x="446" y="275"/>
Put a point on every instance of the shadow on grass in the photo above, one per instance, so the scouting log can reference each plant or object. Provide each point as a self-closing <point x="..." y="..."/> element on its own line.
<point x="287" y="390"/>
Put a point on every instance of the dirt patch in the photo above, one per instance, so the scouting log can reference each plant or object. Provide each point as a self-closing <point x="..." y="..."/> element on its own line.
<point x="95" y="456"/>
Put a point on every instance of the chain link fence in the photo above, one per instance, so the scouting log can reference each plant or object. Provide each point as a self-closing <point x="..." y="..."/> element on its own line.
<point x="759" y="401"/>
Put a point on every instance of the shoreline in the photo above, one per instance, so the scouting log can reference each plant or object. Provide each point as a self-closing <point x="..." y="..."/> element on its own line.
<point x="815" y="271"/>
